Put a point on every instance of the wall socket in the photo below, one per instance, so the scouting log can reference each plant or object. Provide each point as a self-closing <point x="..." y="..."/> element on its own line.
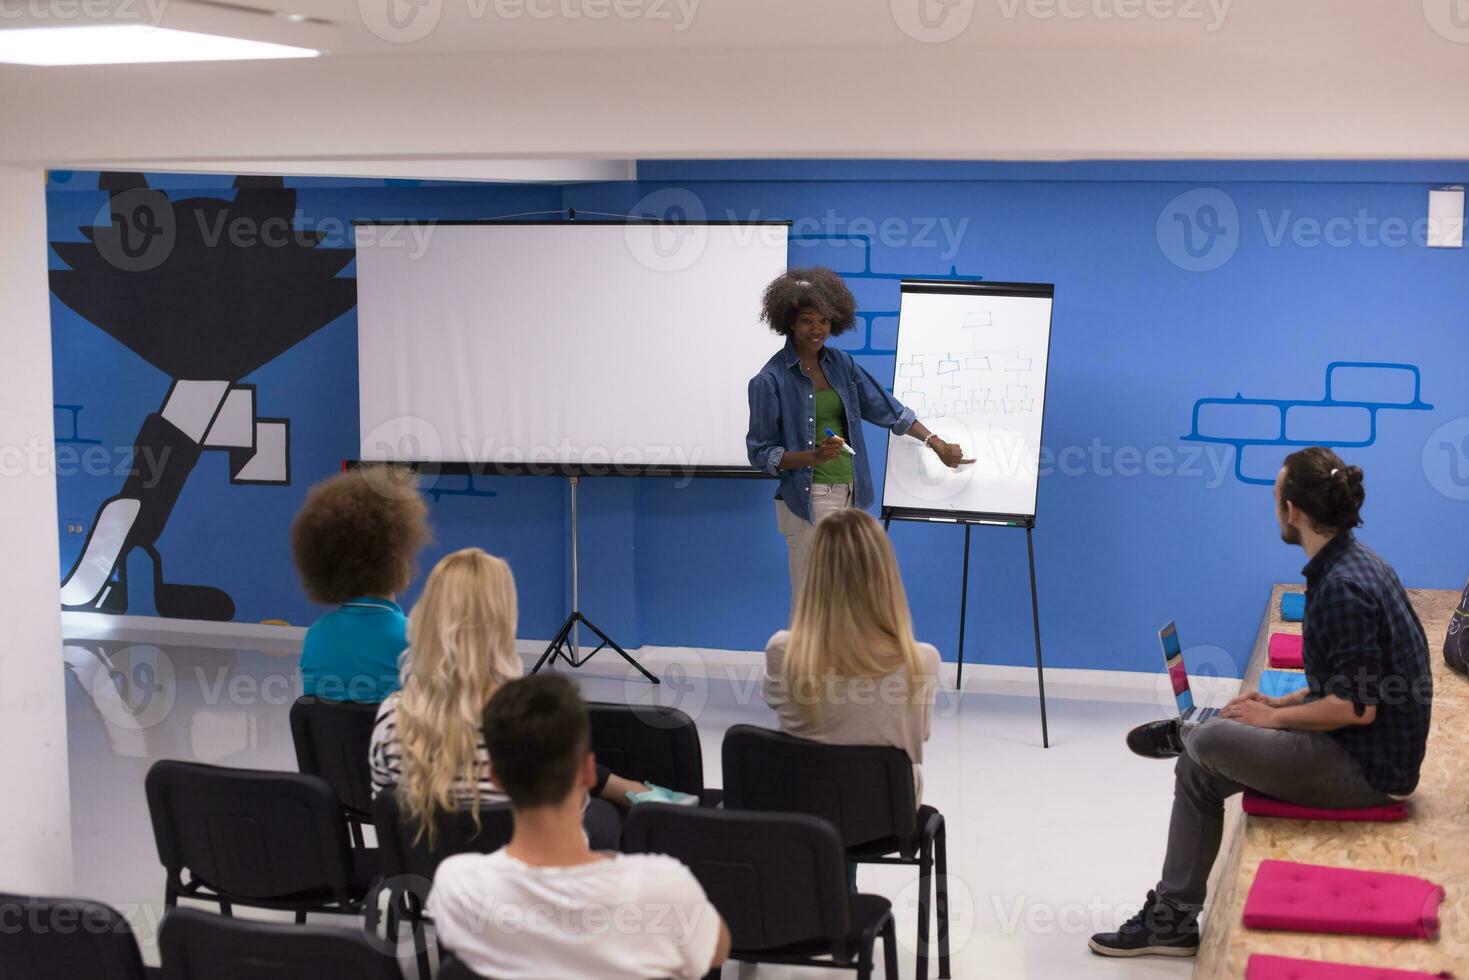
<point x="75" y="527"/>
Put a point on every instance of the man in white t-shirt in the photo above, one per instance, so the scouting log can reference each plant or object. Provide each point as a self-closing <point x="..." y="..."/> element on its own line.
<point x="546" y="906"/>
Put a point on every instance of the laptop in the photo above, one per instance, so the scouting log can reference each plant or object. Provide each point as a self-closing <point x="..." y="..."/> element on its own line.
<point x="1188" y="712"/>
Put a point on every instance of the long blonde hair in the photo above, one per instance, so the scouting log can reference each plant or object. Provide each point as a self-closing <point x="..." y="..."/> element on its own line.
<point x="851" y="617"/>
<point x="461" y="649"/>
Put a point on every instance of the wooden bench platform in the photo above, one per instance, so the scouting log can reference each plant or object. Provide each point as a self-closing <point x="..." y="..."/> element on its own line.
<point x="1433" y="842"/>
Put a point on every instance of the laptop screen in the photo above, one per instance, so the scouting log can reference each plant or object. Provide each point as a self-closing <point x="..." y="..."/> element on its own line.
<point x="1173" y="657"/>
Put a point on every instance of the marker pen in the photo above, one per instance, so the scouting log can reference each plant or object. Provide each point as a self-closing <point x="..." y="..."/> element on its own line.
<point x="849" y="449"/>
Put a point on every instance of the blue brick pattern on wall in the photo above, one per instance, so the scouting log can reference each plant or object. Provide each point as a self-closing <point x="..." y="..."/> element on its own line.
<point x="1298" y="422"/>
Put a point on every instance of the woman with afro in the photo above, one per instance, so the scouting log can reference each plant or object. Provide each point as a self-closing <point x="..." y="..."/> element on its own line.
<point x="808" y="388"/>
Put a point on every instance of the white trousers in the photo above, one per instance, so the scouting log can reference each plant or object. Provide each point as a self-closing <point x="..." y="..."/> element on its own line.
<point x="826" y="499"/>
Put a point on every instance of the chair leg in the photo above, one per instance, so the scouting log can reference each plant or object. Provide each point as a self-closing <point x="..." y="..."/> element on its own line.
<point x="868" y="945"/>
<point x="890" y="949"/>
<point x="925" y="889"/>
<point x="300" y="917"/>
<point x="391" y="919"/>
<point x="420" y="936"/>
<point x="225" y="908"/>
<point x="370" y="913"/>
<point x="941" y="902"/>
<point x="420" y="949"/>
<point x="357" y="839"/>
<point x="864" y="957"/>
<point x="170" y="896"/>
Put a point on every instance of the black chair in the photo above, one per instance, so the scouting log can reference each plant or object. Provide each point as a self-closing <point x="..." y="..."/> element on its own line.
<point x="273" y="840"/>
<point x="452" y="969"/>
<point x="332" y="741"/>
<point x="200" y="946"/>
<point x="778" y="879"/>
<point x="409" y="862"/>
<point x="866" y="792"/>
<point x="651" y="743"/>
<point x="66" y="938"/>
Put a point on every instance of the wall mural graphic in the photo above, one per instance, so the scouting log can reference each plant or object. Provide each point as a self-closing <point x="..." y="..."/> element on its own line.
<point x="1245" y="422"/>
<point x="207" y="290"/>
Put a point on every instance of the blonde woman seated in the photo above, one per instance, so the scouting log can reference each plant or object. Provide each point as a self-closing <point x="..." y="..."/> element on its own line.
<point x="428" y="740"/>
<point x="848" y="671"/>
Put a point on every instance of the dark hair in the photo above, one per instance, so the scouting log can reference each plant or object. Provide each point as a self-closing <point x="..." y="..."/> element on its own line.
<point x="816" y="288"/>
<point x="1323" y="486"/>
<point x="537" y="734"/>
<point x="358" y="533"/>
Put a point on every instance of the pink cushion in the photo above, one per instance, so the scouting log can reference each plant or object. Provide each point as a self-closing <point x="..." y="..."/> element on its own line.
<point x="1285" y="650"/>
<point x="1267" y="806"/>
<point x="1313" y="898"/>
<point x="1284" y="968"/>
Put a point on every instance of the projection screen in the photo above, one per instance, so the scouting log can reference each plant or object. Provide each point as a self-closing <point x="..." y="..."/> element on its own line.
<point x="570" y="344"/>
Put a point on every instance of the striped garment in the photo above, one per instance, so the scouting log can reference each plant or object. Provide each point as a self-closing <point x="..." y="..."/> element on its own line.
<point x="386" y="757"/>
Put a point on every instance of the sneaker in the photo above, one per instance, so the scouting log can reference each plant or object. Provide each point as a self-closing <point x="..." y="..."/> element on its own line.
<point x="1157" y="740"/>
<point x="657" y="794"/>
<point x="1159" y="929"/>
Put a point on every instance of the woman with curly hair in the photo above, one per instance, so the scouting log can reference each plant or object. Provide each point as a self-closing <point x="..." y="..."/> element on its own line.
<point x="807" y="389"/>
<point x="354" y="542"/>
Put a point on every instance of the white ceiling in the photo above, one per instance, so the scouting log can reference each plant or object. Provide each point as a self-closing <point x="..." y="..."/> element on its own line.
<point x="459" y="82"/>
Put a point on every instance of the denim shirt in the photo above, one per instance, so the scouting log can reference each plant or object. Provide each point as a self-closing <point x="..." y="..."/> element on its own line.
<point x="783" y="419"/>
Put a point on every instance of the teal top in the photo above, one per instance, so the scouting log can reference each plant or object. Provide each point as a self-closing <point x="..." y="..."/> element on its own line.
<point x="829" y="415"/>
<point x="351" y="653"/>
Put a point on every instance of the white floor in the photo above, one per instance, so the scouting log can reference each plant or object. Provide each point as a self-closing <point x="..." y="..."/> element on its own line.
<point x="1046" y="846"/>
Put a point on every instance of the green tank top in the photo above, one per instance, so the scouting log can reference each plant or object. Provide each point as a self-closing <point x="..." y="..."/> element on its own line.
<point x="829" y="415"/>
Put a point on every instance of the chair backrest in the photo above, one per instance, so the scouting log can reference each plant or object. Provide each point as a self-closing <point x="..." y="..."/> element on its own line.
<point x="247" y="833"/>
<point x="865" y="791"/>
<point x="776" y="878"/>
<point x="652" y="743"/>
<point x="409" y="863"/>
<point x="452" y="969"/>
<point x="332" y="741"/>
<point x="200" y="946"/>
<point x="65" y="938"/>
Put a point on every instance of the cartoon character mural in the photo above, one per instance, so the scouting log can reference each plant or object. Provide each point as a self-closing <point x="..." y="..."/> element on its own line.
<point x="207" y="290"/>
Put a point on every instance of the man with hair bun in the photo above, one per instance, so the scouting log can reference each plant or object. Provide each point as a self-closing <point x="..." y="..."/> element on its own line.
<point x="1354" y="737"/>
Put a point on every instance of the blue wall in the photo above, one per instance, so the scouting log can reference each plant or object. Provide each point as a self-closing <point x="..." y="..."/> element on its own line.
<point x="1136" y="524"/>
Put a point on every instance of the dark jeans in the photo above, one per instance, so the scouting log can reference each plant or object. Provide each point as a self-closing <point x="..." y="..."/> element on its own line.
<point x="1222" y="758"/>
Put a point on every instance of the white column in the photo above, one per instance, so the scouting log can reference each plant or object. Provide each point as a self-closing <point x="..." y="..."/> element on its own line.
<point x="35" y="802"/>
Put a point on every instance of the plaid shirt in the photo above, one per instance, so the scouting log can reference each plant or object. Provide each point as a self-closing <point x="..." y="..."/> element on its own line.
<point x="1364" y="643"/>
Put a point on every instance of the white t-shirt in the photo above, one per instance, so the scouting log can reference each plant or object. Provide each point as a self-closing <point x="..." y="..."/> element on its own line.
<point x="632" y="916"/>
